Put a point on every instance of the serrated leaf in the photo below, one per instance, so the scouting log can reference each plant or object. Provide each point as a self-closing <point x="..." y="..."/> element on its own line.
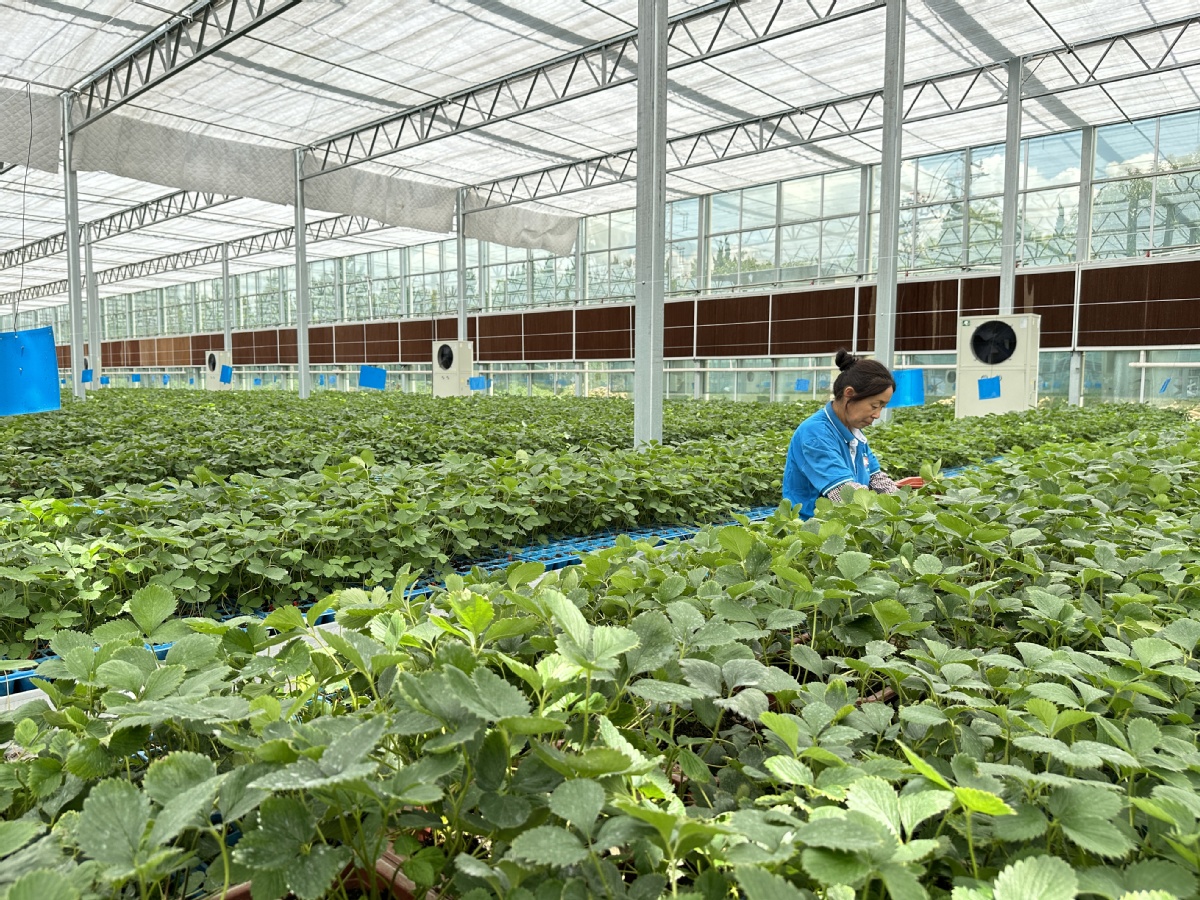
<point x="915" y="808"/>
<point x="1159" y="874"/>
<point x="549" y="845"/>
<point x="150" y="606"/>
<point x="524" y="573"/>
<point x="310" y="874"/>
<point x="284" y="619"/>
<point x="579" y="801"/>
<point x="665" y="691"/>
<point x="1028" y="823"/>
<point x="112" y="824"/>
<point x="1153" y="651"/>
<point x="15" y="835"/>
<point x="925" y="714"/>
<point x="923" y="768"/>
<point x="852" y="831"/>
<point x="1044" y="877"/>
<point x="1096" y="835"/>
<point x="505" y="810"/>
<point x="44" y="884"/>
<point x="789" y="770"/>
<point x="759" y="884"/>
<point x="901" y="883"/>
<point x="874" y="797"/>
<point x="175" y="773"/>
<point x="834" y="866"/>
<point x="983" y="802"/>
<point x="853" y="564"/>
<point x="785" y="727"/>
<point x="927" y="564"/>
<point x="285" y="825"/>
<point x="188" y="809"/>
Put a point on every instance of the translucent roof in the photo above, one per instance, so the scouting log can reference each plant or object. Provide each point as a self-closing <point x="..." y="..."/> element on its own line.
<point x="318" y="69"/>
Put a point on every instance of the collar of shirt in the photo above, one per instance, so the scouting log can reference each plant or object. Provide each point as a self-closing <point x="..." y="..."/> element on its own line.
<point x="843" y="432"/>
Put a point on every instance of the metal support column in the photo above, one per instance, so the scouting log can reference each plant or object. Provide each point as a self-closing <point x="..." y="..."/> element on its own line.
<point x="303" y="303"/>
<point x="1083" y="246"/>
<point x="889" y="180"/>
<point x="74" y="288"/>
<point x="95" y="331"/>
<point x="650" y="221"/>
<point x="460" y="247"/>
<point x="1012" y="173"/>
<point x="226" y="299"/>
<point x="864" y="222"/>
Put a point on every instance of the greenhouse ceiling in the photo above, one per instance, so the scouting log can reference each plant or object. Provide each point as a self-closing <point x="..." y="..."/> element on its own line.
<point x="531" y="104"/>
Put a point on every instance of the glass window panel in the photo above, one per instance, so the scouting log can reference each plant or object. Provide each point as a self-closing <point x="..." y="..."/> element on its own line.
<point x="596" y="232"/>
<point x="622" y="231"/>
<point x="985" y="230"/>
<point x="842" y="190"/>
<point x="726" y="212"/>
<point x="987" y="170"/>
<point x="1125" y="149"/>
<point x="684" y="218"/>
<point x="1179" y="141"/>
<point x="681" y="266"/>
<point x="758" y="206"/>
<point x="800" y="251"/>
<point x="938" y="241"/>
<point x="431" y="260"/>
<point x="940" y="177"/>
<point x="1177" y="210"/>
<point x="802" y="199"/>
<point x="1049" y="224"/>
<point x="839" y="246"/>
<point x="1053" y="159"/>
<point x="1121" y="218"/>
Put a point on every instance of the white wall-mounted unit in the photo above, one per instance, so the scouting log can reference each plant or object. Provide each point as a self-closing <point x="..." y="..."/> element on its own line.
<point x="997" y="364"/>
<point x="214" y="360"/>
<point x="452" y="363"/>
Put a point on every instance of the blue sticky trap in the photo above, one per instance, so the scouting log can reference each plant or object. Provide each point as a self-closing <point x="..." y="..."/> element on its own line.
<point x="226" y="374"/>
<point x="104" y="379"/>
<point x="1165" y="385"/>
<point x="166" y="378"/>
<point x="191" y="381"/>
<point x="372" y="377"/>
<point x="477" y="382"/>
<point x="28" y="367"/>
<point x="989" y="388"/>
<point x="86" y="376"/>
<point x="321" y="380"/>
<point x="332" y="380"/>
<point x="258" y="382"/>
<point x="803" y="385"/>
<point x="910" y="388"/>
<point x="135" y="378"/>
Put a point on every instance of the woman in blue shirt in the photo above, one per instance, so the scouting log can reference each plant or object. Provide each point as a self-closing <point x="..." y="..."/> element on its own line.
<point x="829" y="452"/>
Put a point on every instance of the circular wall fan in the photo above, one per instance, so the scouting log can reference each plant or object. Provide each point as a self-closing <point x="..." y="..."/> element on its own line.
<point x="994" y="342"/>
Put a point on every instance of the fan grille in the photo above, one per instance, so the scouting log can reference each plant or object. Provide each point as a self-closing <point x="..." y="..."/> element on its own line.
<point x="994" y="342"/>
<point x="445" y="356"/>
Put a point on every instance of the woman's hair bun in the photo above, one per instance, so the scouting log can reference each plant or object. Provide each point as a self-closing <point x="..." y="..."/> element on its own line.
<point x="844" y="360"/>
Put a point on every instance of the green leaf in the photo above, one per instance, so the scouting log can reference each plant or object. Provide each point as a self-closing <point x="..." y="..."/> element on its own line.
<point x="1152" y="652"/>
<point x="549" y="845"/>
<point x="926" y="564"/>
<point x="923" y="768"/>
<point x="579" y="801"/>
<point x="151" y="606"/>
<point x="982" y="802"/>
<point x="505" y="811"/>
<point x="284" y="619"/>
<point x="853" y="564"/>
<point x="15" y="835"/>
<point x="852" y="831"/>
<point x="915" y="808"/>
<point x="175" y="773"/>
<point x="1158" y="874"/>
<point x="901" y="883"/>
<point x="835" y="866"/>
<point x="925" y="714"/>
<point x="310" y="874"/>
<point x="759" y="884"/>
<point x="1043" y="877"/>
<point x="890" y="613"/>
<point x="785" y="727"/>
<point x="285" y="825"/>
<point x="1028" y="823"/>
<point x="112" y="824"/>
<point x="665" y="691"/>
<point x="736" y="540"/>
<point x="788" y="770"/>
<point x="524" y="573"/>
<point x="43" y="884"/>
<point x="1096" y="835"/>
<point x="874" y="797"/>
<point x="568" y="617"/>
<point x="189" y="809"/>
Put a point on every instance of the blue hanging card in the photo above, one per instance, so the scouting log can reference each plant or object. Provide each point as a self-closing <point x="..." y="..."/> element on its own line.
<point x="104" y="379"/>
<point x="226" y="374"/>
<point x="1166" y="384"/>
<point x="135" y="378"/>
<point x="477" y="382"/>
<point x="191" y="381"/>
<point x="803" y="385"/>
<point x="989" y="388"/>
<point x="166" y="379"/>
<point x="28" y="367"/>
<point x="372" y="377"/>
<point x="258" y="382"/>
<point x="332" y="380"/>
<point x="321" y="380"/>
<point x="910" y="388"/>
<point x="86" y="376"/>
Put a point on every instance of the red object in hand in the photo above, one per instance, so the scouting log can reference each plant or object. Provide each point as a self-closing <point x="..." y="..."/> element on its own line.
<point x="913" y="481"/>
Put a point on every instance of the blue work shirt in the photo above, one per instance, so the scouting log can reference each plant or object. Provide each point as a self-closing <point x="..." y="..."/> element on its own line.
<point x="823" y="454"/>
